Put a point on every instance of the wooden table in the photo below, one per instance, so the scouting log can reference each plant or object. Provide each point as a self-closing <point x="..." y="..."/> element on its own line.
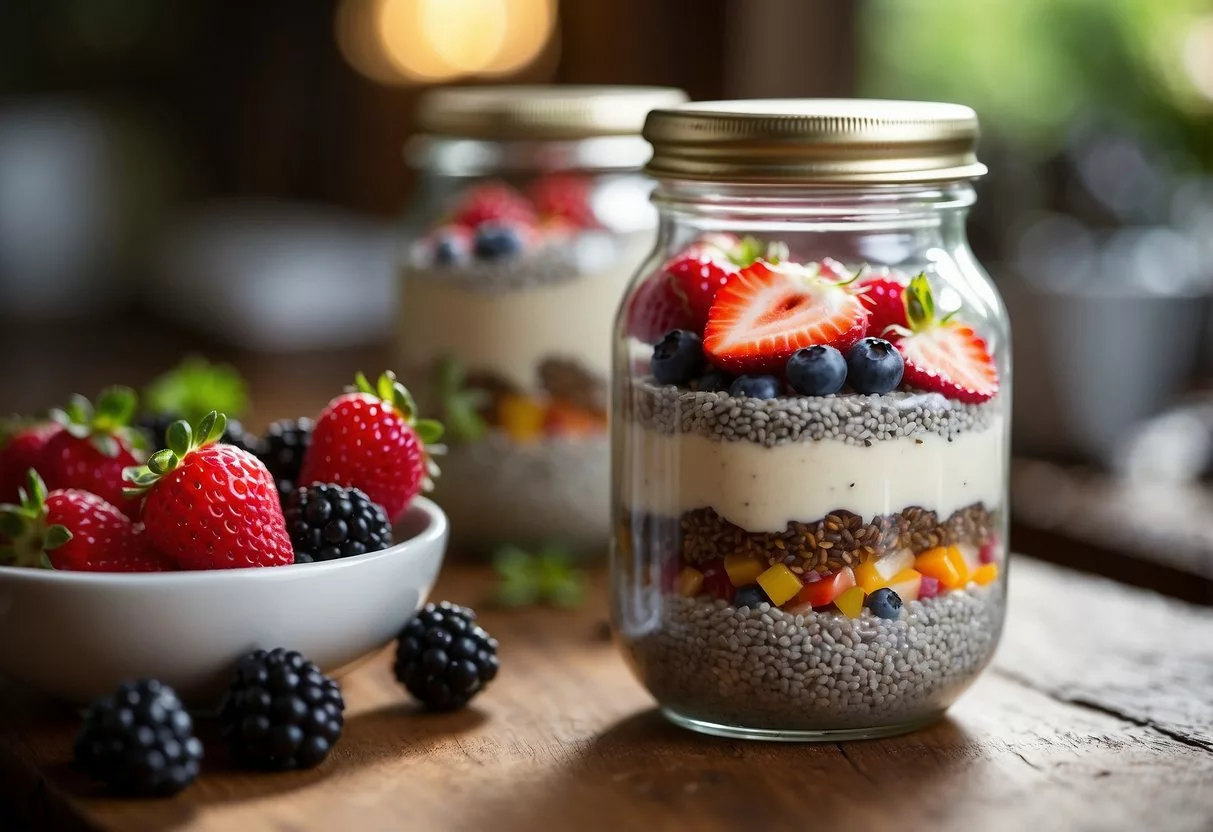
<point x="1097" y="714"/>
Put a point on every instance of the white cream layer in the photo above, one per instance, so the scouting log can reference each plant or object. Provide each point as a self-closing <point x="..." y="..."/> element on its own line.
<point x="511" y="333"/>
<point x="764" y="489"/>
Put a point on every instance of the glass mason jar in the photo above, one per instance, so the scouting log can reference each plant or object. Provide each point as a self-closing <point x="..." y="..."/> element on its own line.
<point x="531" y="217"/>
<point x="811" y="397"/>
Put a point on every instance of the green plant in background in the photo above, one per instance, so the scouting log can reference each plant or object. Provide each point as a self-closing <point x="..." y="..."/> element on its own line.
<point x="194" y="388"/>
<point x="460" y="404"/>
<point x="545" y="577"/>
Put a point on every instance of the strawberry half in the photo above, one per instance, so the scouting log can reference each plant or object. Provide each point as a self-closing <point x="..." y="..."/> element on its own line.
<point x="944" y="356"/>
<point x="766" y="312"/>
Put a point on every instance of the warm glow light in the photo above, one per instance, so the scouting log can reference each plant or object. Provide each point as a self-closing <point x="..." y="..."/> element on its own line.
<point x="395" y="41"/>
<point x="1197" y="54"/>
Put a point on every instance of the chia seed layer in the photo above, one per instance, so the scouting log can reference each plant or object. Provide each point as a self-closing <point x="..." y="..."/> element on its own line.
<point x="764" y="668"/>
<point x="841" y="538"/>
<point x="852" y="418"/>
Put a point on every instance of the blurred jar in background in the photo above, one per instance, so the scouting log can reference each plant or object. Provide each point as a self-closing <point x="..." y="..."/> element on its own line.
<point x="531" y="216"/>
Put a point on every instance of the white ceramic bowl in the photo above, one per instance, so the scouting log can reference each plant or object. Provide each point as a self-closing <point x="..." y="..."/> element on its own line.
<point x="77" y="635"/>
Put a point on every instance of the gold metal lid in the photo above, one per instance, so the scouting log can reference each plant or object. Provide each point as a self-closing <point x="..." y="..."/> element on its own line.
<point x="539" y="112"/>
<point x="814" y="141"/>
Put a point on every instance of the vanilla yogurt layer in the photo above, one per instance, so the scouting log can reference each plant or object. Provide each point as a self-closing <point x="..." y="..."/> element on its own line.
<point x="763" y="488"/>
<point x="509" y="334"/>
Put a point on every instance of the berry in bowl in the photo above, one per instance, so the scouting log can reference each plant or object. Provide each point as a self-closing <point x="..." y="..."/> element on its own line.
<point x="201" y="560"/>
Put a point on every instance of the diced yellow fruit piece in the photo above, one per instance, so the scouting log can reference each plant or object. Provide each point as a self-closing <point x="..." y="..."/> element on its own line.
<point x="780" y="584"/>
<point x="957" y="559"/>
<point x="868" y="578"/>
<point x="850" y="603"/>
<point x="936" y="563"/>
<point x="986" y="573"/>
<point x="689" y="582"/>
<point x="894" y="563"/>
<point x="522" y="417"/>
<point x="743" y="569"/>
<point x="906" y="584"/>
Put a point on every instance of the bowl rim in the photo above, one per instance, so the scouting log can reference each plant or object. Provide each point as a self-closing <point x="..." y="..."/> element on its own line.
<point x="433" y="531"/>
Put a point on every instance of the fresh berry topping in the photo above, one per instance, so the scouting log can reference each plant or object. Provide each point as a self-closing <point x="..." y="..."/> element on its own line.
<point x="678" y="357"/>
<point x="155" y="427"/>
<point x="699" y="272"/>
<point x="493" y="202"/>
<point x="281" y="712"/>
<point x="564" y="196"/>
<point x="450" y="245"/>
<point x="833" y="271"/>
<point x="20" y="453"/>
<point x="885" y="300"/>
<point x="327" y="522"/>
<point x="444" y="658"/>
<point x="282" y="450"/>
<point x="750" y="596"/>
<point x="94" y="447"/>
<point x="208" y="505"/>
<point x="817" y="371"/>
<point x="766" y="312"/>
<point x="885" y="603"/>
<point x="72" y="530"/>
<point x="756" y="387"/>
<point x="874" y="366"/>
<point x="944" y="356"/>
<point x="658" y="306"/>
<point x="372" y="439"/>
<point x="497" y="241"/>
<point x="140" y="741"/>
<point x="714" y="381"/>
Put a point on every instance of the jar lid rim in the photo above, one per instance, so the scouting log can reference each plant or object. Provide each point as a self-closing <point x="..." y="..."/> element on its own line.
<point x="541" y="112"/>
<point x="814" y="141"/>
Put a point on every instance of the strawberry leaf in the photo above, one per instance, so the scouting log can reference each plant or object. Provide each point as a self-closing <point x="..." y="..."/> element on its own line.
<point x="56" y="536"/>
<point x="105" y="443"/>
<point x="179" y="437"/>
<point x="429" y="430"/>
<point x="920" y="305"/>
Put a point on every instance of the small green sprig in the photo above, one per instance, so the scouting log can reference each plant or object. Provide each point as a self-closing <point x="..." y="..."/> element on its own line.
<point x="194" y="388"/>
<point x="460" y="404"/>
<point x="545" y="577"/>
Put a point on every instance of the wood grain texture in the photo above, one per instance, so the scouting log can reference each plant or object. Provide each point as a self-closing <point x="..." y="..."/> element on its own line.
<point x="1097" y="714"/>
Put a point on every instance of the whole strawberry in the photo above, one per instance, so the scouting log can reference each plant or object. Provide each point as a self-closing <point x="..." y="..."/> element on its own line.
<point x="20" y="453"/>
<point x="564" y="196"/>
<point x="372" y="439"/>
<point x="493" y="202"/>
<point x="94" y="447"/>
<point x="72" y="530"/>
<point x="209" y="505"/>
<point x="885" y="299"/>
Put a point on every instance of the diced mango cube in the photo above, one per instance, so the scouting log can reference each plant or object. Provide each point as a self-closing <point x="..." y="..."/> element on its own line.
<point x="850" y="603"/>
<point x="688" y="582"/>
<point x="780" y="584"/>
<point x="986" y="573"/>
<point x="957" y="558"/>
<point x="907" y="584"/>
<point x="743" y="569"/>
<point x="522" y="417"/>
<point x="894" y="563"/>
<point x="936" y="563"/>
<point x="868" y="578"/>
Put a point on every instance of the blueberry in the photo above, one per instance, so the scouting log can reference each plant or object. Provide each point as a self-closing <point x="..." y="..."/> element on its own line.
<point x="714" y="381"/>
<point x="756" y="387"/>
<point x="750" y="596"/>
<point x="450" y="249"/>
<point x="495" y="241"/>
<point x="678" y="357"/>
<point x="874" y="366"/>
<point x="885" y="603"/>
<point x="817" y="371"/>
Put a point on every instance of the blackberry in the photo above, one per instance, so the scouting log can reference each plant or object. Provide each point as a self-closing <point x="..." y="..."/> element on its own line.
<point x="444" y="658"/>
<point x="155" y="426"/>
<point x="282" y="449"/>
<point x="281" y="712"/>
<point x="139" y="741"/>
<point x="327" y="522"/>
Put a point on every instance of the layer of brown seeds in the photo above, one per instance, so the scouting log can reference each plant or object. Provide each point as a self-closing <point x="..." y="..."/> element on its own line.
<point x="570" y="382"/>
<point x="839" y="539"/>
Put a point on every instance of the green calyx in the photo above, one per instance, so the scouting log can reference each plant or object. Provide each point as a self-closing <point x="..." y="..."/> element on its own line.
<point x="182" y="440"/>
<point x="920" y="307"/>
<point x="25" y="527"/>
<point x="460" y="404"/>
<point x="751" y="249"/>
<point x="545" y="577"/>
<point x="107" y="424"/>
<point x="392" y="392"/>
<point x="194" y="388"/>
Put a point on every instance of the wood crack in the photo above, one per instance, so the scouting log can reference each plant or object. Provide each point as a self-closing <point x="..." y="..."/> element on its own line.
<point x="842" y="749"/>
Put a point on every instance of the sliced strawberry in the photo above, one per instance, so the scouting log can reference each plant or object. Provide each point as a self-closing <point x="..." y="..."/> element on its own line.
<point x="885" y="300"/>
<point x="946" y="356"/>
<point x="766" y="312"/>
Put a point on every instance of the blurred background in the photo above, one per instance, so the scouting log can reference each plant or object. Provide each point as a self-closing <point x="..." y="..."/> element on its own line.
<point x="225" y="178"/>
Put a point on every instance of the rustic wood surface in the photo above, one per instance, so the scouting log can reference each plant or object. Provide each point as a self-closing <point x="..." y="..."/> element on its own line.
<point x="1097" y="714"/>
